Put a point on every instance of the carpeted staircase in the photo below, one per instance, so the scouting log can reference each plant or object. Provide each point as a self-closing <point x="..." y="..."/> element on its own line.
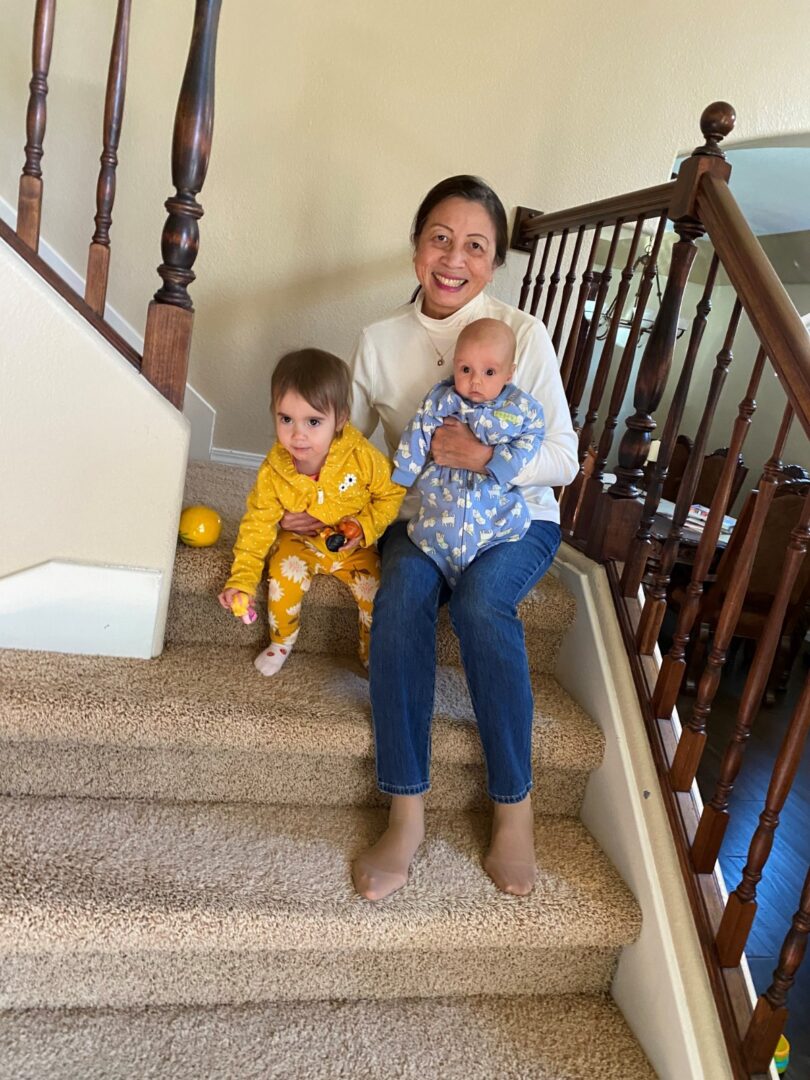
<point x="175" y="899"/>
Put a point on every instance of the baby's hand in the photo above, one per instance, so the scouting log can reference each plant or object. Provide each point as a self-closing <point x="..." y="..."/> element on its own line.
<point x="353" y="531"/>
<point x="239" y="603"/>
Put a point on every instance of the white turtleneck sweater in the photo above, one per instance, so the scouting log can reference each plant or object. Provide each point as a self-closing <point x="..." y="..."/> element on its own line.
<point x="396" y="363"/>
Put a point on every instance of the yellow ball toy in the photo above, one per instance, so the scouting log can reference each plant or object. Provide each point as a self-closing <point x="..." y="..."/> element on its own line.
<point x="200" y="526"/>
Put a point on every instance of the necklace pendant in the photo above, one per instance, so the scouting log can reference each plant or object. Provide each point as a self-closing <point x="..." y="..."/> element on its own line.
<point x="440" y="361"/>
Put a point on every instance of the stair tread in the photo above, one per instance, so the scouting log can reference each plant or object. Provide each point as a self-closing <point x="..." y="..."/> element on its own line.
<point x="88" y="875"/>
<point x="210" y="696"/>
<point x="578" y="1037"/>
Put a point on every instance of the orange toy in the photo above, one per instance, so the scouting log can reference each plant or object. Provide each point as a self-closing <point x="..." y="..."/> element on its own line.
<point x="343" y="532"/>
<point x="200" y="526"/>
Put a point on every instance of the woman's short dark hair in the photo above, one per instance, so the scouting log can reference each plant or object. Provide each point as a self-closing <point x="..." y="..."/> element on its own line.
<point x="474" y="189"/>
<point x="321" y="379"/>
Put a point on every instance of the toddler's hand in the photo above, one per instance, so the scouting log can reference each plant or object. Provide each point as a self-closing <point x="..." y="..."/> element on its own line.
<point x="239" y="603"/>
<point x="353" y="531"/>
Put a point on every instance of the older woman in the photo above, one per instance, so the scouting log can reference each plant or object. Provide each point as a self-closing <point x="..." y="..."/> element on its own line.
<point x="459" y="238"/>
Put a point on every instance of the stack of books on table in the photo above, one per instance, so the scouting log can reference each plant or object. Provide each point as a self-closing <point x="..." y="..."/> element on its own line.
<point x="698" y="516"/>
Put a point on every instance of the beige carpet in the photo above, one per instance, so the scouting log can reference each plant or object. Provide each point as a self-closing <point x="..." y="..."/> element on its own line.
<point x="175" y="838"/>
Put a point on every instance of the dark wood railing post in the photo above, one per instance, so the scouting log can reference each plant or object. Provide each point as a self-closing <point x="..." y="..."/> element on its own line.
<point x="770" y="1015"/>
<point x="619" y="510"/>
<point x="29" y="204"/>
<point x="167" y="340"/>
<point x="98" y="258"/>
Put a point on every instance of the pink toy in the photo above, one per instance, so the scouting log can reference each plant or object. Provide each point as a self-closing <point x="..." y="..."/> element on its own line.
<point x="242" y="608"/>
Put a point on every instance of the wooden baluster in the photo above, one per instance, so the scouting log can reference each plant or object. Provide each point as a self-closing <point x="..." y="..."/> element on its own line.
<point x="693" y="737"/>
<point x="742" y="905"/>
<point x="771" y="1013"/>
<point x="636" y="564"/>
<point x="29" y="204"/>
<point x="656" y="602"/>
<point x="570" y="500"/>
<point x="527" y="277"/>
<point x="583" y="363"/>
<point x="619" y="512"/>
<point x="673" y="665"/>
<point x="574" y="336"/>
<point x="554" y="280"/>
<point x="714" y="819"/>
<point x="594" y="483"/>
<point x="98" y="259"/>
<point x="171" y="313"/>
<point x="541" y="276"/>
<point x="568" y="288"/>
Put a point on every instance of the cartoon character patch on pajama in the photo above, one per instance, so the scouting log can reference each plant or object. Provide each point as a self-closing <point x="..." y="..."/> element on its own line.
<point x="462" y="513"/>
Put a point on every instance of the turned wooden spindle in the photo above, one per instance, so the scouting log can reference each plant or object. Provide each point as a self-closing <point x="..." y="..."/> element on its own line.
<point x="742" y="904"/>
<point x="541" y="276"/>
<point x="29" y="203"/>
<point x="714" y="819"/>
<point x="693" y="737"/>
<point x="171" y="314"/>
<point x="771" y="1012"/>
<point x="636" y="564"/>
<point x="568" y="288"/>
<point x="674" y="663"/>
<point x="527" y="277"/>
<point x="592" y="508"/>
<point x="98" y="258"/>
<point x="554" y="280"/>
<point x="574" y="334"/>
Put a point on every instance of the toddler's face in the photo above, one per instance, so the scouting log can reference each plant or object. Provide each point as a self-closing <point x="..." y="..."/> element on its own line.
<point x="481" y="369"/>
<point x="304" y="431"/>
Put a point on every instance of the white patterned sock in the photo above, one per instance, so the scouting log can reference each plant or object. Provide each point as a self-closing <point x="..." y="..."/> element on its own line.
<point x="269" y="661"/>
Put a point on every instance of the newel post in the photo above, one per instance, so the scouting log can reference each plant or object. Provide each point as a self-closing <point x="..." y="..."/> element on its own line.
<point x="618" y="513"/>
<point x="169" y="320"/>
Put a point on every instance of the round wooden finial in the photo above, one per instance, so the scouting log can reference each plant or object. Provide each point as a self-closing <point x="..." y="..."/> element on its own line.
<point x="716" y="121"/>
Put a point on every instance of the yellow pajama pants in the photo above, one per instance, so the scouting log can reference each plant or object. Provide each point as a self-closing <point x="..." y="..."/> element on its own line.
<point x="295" y="560"/>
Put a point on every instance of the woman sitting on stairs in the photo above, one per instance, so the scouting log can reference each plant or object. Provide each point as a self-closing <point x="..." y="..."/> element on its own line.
<point x="459" y="238"/>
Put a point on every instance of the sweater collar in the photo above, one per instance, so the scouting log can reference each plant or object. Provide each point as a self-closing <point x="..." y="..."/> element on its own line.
<point x="454" y="323"/>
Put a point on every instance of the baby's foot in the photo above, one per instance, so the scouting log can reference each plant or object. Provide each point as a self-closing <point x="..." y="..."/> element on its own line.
<point x="270" y="660"/>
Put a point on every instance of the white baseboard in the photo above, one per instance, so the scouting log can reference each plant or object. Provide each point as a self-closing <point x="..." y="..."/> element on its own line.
<point x="239" y="458"/>
<point x="200" y="414"/>
<point x="82" y="608"/>
<point x="661" y="984"/>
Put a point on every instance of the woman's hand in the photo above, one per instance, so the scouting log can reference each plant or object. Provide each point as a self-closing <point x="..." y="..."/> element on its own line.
<point x="455" y="447"/>
<point x="304" y="524"/>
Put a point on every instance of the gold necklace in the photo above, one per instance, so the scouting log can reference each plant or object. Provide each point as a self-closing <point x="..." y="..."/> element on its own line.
<point x="434" y="346"/>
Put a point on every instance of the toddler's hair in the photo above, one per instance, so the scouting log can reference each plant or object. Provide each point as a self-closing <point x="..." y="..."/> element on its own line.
<point x="322" y="380"/>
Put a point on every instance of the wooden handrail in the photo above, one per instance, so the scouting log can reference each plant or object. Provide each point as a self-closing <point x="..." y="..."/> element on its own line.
<point x="763" y="297"/>
<point x="77" y="302"/>
<point x="646" y="202"/>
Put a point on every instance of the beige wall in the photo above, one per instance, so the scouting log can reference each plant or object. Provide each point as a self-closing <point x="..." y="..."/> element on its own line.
<point x="334" y="118"/>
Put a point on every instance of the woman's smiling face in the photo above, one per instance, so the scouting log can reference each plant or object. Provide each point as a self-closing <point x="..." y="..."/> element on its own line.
<point x="454" y="256"/>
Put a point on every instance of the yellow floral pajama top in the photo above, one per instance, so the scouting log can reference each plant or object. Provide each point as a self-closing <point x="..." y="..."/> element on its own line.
<point x="355" y="481"/>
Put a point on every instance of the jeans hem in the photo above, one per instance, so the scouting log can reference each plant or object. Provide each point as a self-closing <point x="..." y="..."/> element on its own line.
<point x="400" y="789"/>
<point x="511" y="798"/>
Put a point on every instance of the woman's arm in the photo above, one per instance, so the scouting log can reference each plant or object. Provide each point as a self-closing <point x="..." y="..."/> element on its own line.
<point x="364" y="413"/>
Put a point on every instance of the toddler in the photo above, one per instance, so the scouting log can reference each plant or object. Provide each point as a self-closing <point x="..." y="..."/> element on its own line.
<point x="322" y="465"/>
<point x="462" y="513"/>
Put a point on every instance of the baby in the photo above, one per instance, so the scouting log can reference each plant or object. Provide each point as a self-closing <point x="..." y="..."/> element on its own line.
<point x="322" y="465"/>
<point x="462" y="513"/>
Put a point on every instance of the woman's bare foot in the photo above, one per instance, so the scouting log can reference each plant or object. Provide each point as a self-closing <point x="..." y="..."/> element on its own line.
<point x="510" y="859"/>
<point x="383" y="868"/>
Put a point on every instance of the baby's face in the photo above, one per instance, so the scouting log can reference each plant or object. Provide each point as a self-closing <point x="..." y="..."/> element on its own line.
<point x="481" y="369"/>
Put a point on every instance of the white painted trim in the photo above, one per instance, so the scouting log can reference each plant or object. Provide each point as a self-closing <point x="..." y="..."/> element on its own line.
<point x="239" y="458"/>
<point x="661" y="984"/>
<point x="200" y="414"/>
<point x="74" y="607"/>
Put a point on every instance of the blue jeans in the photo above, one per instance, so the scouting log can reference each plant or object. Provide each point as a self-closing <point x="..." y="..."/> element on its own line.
<point x="402" y="663"/>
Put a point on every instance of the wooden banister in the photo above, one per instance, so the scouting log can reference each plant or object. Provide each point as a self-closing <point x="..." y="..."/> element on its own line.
<point x="29" y="204"/>
<point x="647" y="202"/>
<point x="170" y="316"/>
<point x="98" y="259"/>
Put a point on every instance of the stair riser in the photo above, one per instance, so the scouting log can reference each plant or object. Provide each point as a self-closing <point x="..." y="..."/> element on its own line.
<point x="248" y="776"/>
<point x="193" y="621"/>
<point x="171" y="977"/>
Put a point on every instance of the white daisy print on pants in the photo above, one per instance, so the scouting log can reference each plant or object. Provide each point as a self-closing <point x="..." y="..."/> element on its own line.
<point x="274" y="590"/>
<point x="294" y="568"/>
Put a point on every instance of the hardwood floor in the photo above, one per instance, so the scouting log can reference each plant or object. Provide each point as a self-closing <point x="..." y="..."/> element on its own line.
<point x="785" y="871"/>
